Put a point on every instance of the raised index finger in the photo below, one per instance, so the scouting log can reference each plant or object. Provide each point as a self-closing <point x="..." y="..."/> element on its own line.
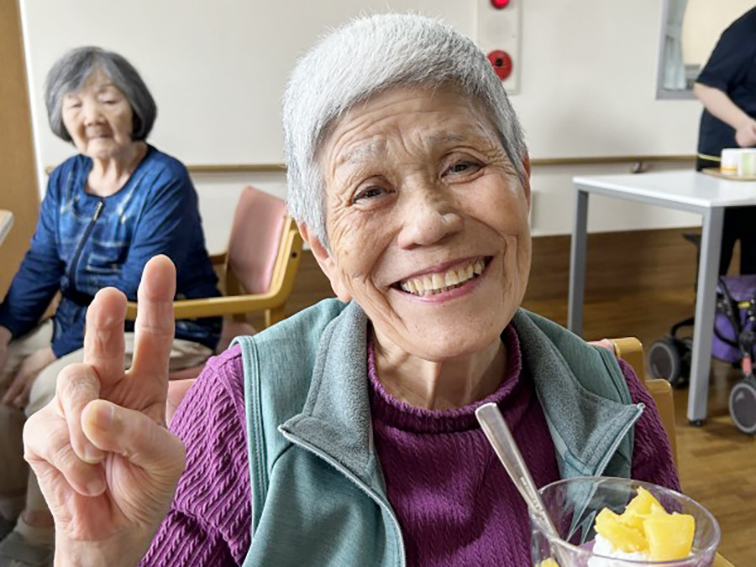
<point x="154" y="327"/>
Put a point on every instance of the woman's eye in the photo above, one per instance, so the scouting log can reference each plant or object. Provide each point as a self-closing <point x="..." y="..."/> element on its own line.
<point x="368" y="193"/>
<point x="465" y="166"/>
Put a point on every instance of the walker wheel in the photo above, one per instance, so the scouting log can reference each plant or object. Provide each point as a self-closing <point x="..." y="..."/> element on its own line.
<point x="743" y="405"/>
<point x="665" y="360"/>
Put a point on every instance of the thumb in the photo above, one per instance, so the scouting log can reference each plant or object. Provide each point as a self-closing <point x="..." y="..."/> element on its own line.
<point x="136" y="437"/>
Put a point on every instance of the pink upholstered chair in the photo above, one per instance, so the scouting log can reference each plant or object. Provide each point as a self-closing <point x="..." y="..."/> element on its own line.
<point x="261" y="265"/>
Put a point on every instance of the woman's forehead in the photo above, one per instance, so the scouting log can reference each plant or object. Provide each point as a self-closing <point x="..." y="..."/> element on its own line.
<point x="440" y="117"/>
<point x="377" y="147"/>
<point x="96" y="80"/>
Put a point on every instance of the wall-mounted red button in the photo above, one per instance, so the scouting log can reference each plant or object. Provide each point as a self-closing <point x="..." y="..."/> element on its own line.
<point x="500" y="4"/>
<point x="501" y="62"/>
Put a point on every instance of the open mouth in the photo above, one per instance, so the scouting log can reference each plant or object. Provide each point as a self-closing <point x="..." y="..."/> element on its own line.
<point x="440" y="282"/>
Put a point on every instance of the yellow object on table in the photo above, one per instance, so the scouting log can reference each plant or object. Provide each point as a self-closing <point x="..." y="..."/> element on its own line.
<point x="720" y="561"/>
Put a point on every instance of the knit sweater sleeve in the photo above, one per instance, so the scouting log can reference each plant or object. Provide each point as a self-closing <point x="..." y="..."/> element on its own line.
<point x="209" y="524"/>
<point x="652" y="455"/>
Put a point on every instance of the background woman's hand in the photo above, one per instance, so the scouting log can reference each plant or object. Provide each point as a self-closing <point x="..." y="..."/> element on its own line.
<point x="106" y="464"/>
<point x="17" y="393"/>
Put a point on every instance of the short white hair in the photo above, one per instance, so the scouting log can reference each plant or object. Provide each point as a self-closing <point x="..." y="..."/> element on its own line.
<point x="364" y="58"/>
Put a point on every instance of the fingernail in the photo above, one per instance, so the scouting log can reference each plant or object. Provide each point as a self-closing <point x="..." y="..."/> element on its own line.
<point x="95" y="487"/>
<point x="92" y="454"/>
<point x="104" y="417"/>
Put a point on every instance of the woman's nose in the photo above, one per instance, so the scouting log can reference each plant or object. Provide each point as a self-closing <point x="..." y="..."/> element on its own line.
<point x="92" y="114"/>
<point x="429" y="220"/>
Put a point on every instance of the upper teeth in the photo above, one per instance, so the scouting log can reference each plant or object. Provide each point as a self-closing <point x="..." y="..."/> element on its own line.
<point x="441" y="281"/>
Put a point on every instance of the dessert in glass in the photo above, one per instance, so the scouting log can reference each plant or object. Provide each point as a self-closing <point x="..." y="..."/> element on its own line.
<point x="618" y="522"/>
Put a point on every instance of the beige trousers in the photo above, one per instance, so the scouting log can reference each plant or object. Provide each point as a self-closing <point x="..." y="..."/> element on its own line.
<point x="15" y="477"/>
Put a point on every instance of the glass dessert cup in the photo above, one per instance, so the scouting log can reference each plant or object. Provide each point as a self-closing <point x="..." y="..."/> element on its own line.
<point x="573" y="505"/>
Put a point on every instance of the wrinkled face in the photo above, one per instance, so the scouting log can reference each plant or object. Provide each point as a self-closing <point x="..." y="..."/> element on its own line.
<point x="427" y="222"/>
<point x="98" y="118"/>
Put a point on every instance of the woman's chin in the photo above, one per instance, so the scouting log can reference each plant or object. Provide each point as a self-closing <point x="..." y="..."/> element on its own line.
<point x="447" y="344"/>
<point x="103" y="150"/>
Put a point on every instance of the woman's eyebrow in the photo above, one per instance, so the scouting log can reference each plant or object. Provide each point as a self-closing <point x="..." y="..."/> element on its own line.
<point x="446" y="137"/>
<point x="363" y="152"/>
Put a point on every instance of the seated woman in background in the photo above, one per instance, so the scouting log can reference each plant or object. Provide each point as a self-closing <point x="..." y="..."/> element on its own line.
<point x="107" y="211"/>
<point x="346" y="435"/>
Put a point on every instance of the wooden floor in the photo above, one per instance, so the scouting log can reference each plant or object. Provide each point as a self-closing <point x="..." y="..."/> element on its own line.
<point x="717" y="462"/>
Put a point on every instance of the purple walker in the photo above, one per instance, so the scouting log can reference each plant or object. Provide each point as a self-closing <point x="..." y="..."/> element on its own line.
<point x="734" y="342"/>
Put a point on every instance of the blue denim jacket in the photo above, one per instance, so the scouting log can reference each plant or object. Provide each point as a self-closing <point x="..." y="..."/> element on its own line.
<point x="84" y="243"/>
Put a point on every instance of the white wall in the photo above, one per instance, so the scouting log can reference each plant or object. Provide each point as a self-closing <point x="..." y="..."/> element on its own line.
<point x="703" y="25"/>
<point x="587" y="86"/>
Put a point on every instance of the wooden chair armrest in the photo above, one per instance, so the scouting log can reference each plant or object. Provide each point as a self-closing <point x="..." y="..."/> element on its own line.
<point x="282" y="282"/>
<point x="216" y="306"/>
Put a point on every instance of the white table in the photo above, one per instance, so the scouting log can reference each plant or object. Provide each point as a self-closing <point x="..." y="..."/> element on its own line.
<point x="6" y="222"/>
<point x="682" y="190"/>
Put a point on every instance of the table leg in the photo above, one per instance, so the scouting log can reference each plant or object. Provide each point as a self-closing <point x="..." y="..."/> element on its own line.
<point x="708" y="271"/>
<point x="577" y="264"/>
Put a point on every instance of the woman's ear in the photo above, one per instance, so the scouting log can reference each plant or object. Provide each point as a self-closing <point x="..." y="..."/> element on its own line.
<point x="327" y="264"/>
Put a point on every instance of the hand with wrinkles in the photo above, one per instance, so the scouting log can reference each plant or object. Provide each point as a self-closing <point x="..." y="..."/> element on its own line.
<point x="106" y="463"/>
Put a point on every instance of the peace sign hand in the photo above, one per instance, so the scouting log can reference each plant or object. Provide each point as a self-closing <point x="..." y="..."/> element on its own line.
<point x="105" y="462"/>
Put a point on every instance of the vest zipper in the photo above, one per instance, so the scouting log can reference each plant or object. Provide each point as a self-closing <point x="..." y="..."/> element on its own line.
<point x="83" y="241"/>
<point x="361" y="485"/>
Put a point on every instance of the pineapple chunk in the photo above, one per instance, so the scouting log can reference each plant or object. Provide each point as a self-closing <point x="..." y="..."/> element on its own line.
<point x="645" y="526"/>
<point x="621" y="535"/>
<point x="548" y="563"/>
<point x="670" y="536"/>
<point x="640" y="507"/>
<point x="643" y="503"/>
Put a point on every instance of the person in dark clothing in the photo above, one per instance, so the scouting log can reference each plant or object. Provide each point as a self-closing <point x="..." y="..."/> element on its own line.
<point x="727" y="89"/>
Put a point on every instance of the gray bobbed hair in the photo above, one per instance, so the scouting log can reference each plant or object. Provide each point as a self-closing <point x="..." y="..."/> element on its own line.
<point x="366" y="57"/>
<point x="71" y="71"/>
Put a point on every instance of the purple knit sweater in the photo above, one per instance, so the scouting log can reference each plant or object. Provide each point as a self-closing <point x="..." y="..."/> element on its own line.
<point x="455" y="503"/>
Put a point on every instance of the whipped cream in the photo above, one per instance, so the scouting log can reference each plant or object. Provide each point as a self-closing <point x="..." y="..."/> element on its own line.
<point x="603" y="546"/>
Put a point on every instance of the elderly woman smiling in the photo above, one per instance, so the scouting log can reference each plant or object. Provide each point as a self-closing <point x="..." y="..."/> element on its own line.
<point x="346" y="434"/>
<point x="107" y="210"/>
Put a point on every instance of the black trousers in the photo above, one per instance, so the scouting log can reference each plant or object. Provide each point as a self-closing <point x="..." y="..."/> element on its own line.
<point x="739" y="224"/>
